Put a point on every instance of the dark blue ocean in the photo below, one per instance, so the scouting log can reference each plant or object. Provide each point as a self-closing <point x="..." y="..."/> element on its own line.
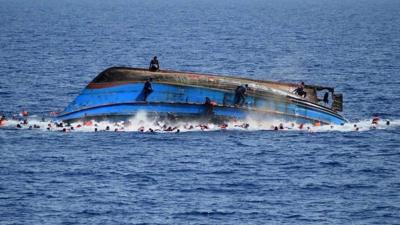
<point x="49" y="51"/>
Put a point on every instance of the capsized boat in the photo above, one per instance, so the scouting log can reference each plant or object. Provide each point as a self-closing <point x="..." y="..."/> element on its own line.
<point x="119" y="92"/>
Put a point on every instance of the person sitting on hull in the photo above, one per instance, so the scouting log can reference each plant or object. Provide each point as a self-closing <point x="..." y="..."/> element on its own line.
<point x="240" y="94"/>
<point x="300" y="90"/>
<point x="154" y="65"/>
<point x="147" y="89"/>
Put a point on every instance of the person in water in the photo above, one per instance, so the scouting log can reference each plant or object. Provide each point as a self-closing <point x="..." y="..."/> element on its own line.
<point x="3" y="120"/>
<point x="240" y="94"/>
<point x="300" y="90"/>
<point x="147" y="89"/>
<point x="154" y="65"/>
<point x="375" y="120"/>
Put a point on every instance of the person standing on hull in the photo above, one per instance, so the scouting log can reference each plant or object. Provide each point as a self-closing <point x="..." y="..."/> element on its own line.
<point x="240" y="94"/>
<point x="326" y="99"/>
<point x="154" y="65"/>
<point x="147" y="89"/>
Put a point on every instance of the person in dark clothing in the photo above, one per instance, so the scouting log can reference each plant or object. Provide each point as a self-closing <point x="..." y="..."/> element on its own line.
<point x="209" y="105"/>
<point x="154" y="65"/>
<point x="240" y="94"/>
<point x="326" y="98"/>
<point x="147" y="89"/>
<point x="300" y="90"/>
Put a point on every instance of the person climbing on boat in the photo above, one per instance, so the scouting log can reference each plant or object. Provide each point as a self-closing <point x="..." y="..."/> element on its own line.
<point x="300" y="90"/>
<point x="209" y="106"/>
<point x="240" y="94"/>
<point x="154" y="65"/>
<point x="147" y="89"/>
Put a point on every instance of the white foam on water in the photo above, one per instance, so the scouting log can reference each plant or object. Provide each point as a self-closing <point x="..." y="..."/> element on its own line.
<point x="142" y="123"/>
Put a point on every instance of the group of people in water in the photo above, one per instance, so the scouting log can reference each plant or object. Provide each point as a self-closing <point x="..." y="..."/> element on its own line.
<point x="23" y="122"/>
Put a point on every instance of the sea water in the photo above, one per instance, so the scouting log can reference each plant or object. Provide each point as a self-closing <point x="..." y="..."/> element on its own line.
<point x="49" y="51"/>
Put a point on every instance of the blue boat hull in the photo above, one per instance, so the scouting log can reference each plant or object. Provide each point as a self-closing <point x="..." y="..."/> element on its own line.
<point x="126" y="99"/>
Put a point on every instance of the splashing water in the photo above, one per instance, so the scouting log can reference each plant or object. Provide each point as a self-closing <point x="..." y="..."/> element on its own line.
<point x="142" y="123"/>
